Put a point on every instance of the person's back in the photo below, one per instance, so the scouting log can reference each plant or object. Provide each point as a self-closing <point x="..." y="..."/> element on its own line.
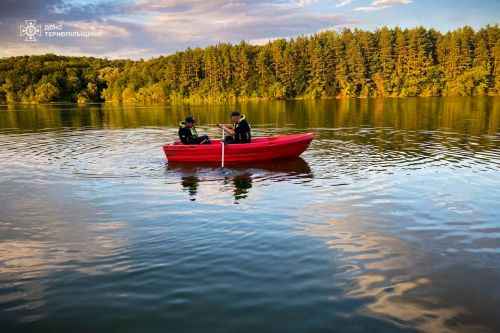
<point x="188" y="135"/>
<point x="243" y="131"/>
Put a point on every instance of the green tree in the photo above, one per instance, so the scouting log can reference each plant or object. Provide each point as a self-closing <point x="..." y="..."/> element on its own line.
<point x="46" y="92"/>
<point x="352" y="63"/>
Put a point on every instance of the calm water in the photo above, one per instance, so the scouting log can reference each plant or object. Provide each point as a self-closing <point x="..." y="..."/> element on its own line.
<point x="390" y="222"/>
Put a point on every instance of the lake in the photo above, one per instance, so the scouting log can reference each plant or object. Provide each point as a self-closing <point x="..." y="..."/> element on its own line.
<point x="389" y="222"/>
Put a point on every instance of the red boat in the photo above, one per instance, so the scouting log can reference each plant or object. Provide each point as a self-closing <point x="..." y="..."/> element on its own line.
<point x="260" y="149"/>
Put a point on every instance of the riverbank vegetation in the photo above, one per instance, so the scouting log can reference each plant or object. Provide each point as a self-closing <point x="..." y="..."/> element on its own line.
<point x="351" y="63"/>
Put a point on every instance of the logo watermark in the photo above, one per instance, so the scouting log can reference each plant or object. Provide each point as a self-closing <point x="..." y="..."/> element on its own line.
<point x="31" y="30"/>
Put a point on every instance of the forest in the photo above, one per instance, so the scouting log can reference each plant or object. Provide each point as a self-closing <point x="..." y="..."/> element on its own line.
<point x="387" y="62"/>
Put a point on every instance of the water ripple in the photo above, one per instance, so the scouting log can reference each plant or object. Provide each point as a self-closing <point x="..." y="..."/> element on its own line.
<point x="388" y="222"/>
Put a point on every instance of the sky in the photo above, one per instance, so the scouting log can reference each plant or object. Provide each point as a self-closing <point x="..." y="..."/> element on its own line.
<point x="144" y="29"/>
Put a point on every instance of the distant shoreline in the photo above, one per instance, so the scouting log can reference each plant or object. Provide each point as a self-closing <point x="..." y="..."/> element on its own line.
<point x="386" y="62"/>
<point x="233" y="102"/>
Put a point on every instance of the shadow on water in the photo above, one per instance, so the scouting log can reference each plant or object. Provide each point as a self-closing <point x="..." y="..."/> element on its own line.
<point x="240" y="177"/>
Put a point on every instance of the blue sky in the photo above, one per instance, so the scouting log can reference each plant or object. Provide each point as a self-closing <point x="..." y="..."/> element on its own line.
<point x="148" y="28"/>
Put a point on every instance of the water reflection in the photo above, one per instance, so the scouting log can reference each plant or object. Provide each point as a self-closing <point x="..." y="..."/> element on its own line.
<point x="190" y="184"/>
<point x="474" y="116"/>
<point x="41" y="244"/>
<point x="391" y="216"/>
<point x="408" y="275"/>
<point x="242" y="184"/>
<point x="240" y="177"/>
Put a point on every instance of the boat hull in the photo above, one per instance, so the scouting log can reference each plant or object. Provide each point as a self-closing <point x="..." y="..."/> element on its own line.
<point x="260" y="149"/>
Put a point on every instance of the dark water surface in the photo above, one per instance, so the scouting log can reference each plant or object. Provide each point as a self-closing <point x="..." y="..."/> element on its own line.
<point x="390" y="222"/>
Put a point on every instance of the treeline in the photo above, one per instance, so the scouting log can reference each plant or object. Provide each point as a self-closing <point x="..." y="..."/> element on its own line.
<point x="50" y="78"/>
<point x="352" y="63"/>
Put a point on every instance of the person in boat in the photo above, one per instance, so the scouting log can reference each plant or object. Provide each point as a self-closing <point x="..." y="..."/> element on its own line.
<point x="188" y="134"/>
<point x="239" y="132"/>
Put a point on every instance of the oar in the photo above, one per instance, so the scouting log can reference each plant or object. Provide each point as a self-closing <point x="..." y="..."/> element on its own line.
<point x="222" y="143"/>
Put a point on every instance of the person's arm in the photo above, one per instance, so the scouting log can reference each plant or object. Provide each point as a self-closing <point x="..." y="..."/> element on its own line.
<point x="227" y="129"/>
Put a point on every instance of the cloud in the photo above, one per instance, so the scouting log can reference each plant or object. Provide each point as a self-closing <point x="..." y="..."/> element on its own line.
<point x="15" y="49"/>
<point x="306" y="2"/>
<point x="370" y="8"/>
<point x="156" y="27"/>
<point x="240" y="25"/>
<point x="209" y="22"/>
<point x="264" y="41"/>
<point x="390" y="2"/>
<point x="59" y="9"/>
<point x="343" y="3"/>
<point x="382" y="4"/>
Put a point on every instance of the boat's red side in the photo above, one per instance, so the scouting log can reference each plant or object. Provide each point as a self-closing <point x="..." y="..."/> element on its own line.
<point x="260" y="149"/>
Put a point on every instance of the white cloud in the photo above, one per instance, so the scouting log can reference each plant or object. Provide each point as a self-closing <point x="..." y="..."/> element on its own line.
<point x="15" y="49"/>
<point x="343" y="3"/>
<point x="263" y="41"/>
<point x="108" y="29"/>
<point x="370" y="8"/>
<point x="390" y="2"/>
<point x="382" y="4"/>
<point x="305" y="2"/>
<point x="208" y="22"/>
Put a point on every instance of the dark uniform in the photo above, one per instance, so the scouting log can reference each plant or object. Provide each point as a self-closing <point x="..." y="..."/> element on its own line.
<point x="189" y="136"/>
<point x="243" y="132"/>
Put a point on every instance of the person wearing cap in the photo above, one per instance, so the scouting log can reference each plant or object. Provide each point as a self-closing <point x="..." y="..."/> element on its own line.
<point x="188" y="134"/>
<point x="240" y="131"/>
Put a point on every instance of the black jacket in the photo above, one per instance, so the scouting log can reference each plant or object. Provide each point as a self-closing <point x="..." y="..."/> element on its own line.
<point x="187" y="134"/>
<point x="243" y="131"/>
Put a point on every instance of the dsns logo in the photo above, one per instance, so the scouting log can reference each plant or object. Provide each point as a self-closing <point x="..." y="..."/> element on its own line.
<point x="30" y="30"/>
